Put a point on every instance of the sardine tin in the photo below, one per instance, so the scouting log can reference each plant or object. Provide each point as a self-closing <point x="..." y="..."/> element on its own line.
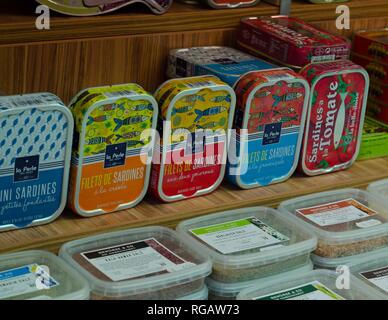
<point x="111" y="159"/>
<point x="195" y="169"/>
<point x="372" y="44"/>
<point x="223" y="4"/>
<point x="290" y="41"/>
<point x="377" y="71"/>
<point x="271" y="107"/>
<point x="35" y="146"/>
<point x="335" y="117"/>
<point x="97" y="7"/>
<point x="226" y="63"/>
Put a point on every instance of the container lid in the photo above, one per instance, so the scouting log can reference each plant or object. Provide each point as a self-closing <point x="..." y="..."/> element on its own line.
<point x="199" y="295"/>
<point x="379" y="188"/>
<point x="372" y="269"/>
<point x="315" y="285"/>
<point x="233" y="289"/>
<point x="247" y="237"/>
<point x="111" y="262"/>
<point x="345" y="215"/>
<point x="39" y="275"/>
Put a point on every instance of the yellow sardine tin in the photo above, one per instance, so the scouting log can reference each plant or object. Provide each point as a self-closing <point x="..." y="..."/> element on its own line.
<point x="195" y="166"/>
<point x="112" y="148"/>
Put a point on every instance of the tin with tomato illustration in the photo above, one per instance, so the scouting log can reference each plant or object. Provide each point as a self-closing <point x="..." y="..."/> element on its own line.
<point x="270" y="118"/>
<point x="196" y="114"/>
<point x="335" y="118"/>
<point x="372" y="44"/>
<point x="226" y="63"/>
<point x="290" y="41"/>
<point x="35" y="147"/>
<point x="112" y="148"/>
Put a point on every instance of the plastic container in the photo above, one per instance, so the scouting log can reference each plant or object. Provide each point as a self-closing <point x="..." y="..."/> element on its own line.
<point x="169" y="267"/>
<point x="335" y="119"/>
<point x="315" y="285"/>
<point x="197" y="296"/>
<point x="347" y="222"/>
<point x="249" y="243"/>
<point x="197" y="114"/>
<point x="36" y="132"/>
<point x="229" y="291"/>
<point x="270" y="118"/>
<point x="112" y="149"/>
<point x="39" y="275"/>
<point x="289" y="41"/>
<point x="96" y="7"/>
<point x="226" y="63"/>
<point x="373" y="271"/>
<point x="379" y="188"/>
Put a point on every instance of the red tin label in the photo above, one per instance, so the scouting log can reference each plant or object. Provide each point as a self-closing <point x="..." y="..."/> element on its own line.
<point x="372" y="44"/>
<point x="377" y="71"/>
<point x="334" y="124"/>
<point x="291" y="41"/>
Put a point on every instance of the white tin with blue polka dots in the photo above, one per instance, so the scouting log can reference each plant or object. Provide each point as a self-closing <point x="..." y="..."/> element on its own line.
<point x="35" y="150"/>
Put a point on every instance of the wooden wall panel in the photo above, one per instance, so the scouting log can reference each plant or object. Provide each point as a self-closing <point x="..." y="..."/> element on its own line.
<point x="69" y="66"/>
<point x="12" y="69"/>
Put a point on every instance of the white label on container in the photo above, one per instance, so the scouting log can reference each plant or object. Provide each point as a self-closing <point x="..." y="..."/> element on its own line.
<point x="24" y="280"/>
<point x="368" y="223"/>
<point x="337" y="212"/>
<point x="329" y="57"/>
<point x="310" y="291"/>
<point x="133" y="260"/>
<point x="239" y="235"/>
<point x="378" y="277"/>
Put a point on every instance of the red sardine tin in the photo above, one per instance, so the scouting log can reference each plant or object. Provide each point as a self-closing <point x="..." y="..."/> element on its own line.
<point x="195" y="116"/>
<point x="372" y="44"/>
<point x="290" y="41"/>
<point x="377" y="71"/>
<point x="335" y="118"/>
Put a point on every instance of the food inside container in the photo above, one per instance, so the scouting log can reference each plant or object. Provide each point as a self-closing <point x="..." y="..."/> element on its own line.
<point x="151" y="263"/>
<point x="249" y="243"/>
<point x="347" y="222"/>
<point x="229" y="291"/>
<point x="39" y="275"/>
<point x="315" y="285"/>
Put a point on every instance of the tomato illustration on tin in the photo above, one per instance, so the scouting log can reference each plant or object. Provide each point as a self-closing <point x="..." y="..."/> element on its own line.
<point x="336" y="115"/>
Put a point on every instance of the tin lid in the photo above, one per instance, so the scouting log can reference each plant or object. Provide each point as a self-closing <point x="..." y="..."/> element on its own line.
<point x="379" y="188"/>
<point x="299" y="41"/>
<point x="197" y="296"/>
<point x="231" y="290"/>
<point x="314" y="285"/>
<point x="168" y="261"/>
<point x="340" y="217"/>
<point x="273" y="237"/>
<point x="39" y="275"/>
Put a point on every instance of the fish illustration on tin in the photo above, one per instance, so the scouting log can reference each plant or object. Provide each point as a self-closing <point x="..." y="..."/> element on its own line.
<point x="211" y="125"/>
<point x="262" y="94"/>
<point x="143" y="107"/>
<point x="132" y="143"/>
<point x="340" y="121"/>
<point x="194" y="98"/>
<point x="113" y="106"/>
<point x="218" y="99"/>
<point x="181" y="110"/>
<point x="288" y="118"/>
<point x="286" y="97"/>
<point x="259" y="115"/>
<point x="129" y="121"/>
<point x="99" y="140"/>
<point x="128" y="135"/>
<point x="295" y="85"/>
<point x="283" y="112"/>
<point x="92" y="120"/>
<point x="208" y="112"/>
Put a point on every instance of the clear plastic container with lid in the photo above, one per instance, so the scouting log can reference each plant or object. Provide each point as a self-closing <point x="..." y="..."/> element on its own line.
<point x="347" y="222"/>
<point x="152" y="263"/>
<point x="379" y="188"/>
<point x="197" y="296"/>
<point x="229" y="291"/>
<point x="373" y="271"/>
<point x="315" y="285"/>
<point x="249" y="243"/>
<point x="39" y="275"/>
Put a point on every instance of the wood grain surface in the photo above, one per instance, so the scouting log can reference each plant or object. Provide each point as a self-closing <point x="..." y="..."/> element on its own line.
<point x="152" y="212"/>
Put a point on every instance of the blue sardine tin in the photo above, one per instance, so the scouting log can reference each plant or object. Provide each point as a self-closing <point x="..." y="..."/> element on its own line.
<point x="226" y="63"/>
<point x="35" y="146"/>
<point x="269" y="122"/>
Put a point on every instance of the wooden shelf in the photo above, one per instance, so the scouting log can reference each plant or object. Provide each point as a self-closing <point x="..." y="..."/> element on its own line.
<point x="17" y="19"/>
<point x="152" y="212"/>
